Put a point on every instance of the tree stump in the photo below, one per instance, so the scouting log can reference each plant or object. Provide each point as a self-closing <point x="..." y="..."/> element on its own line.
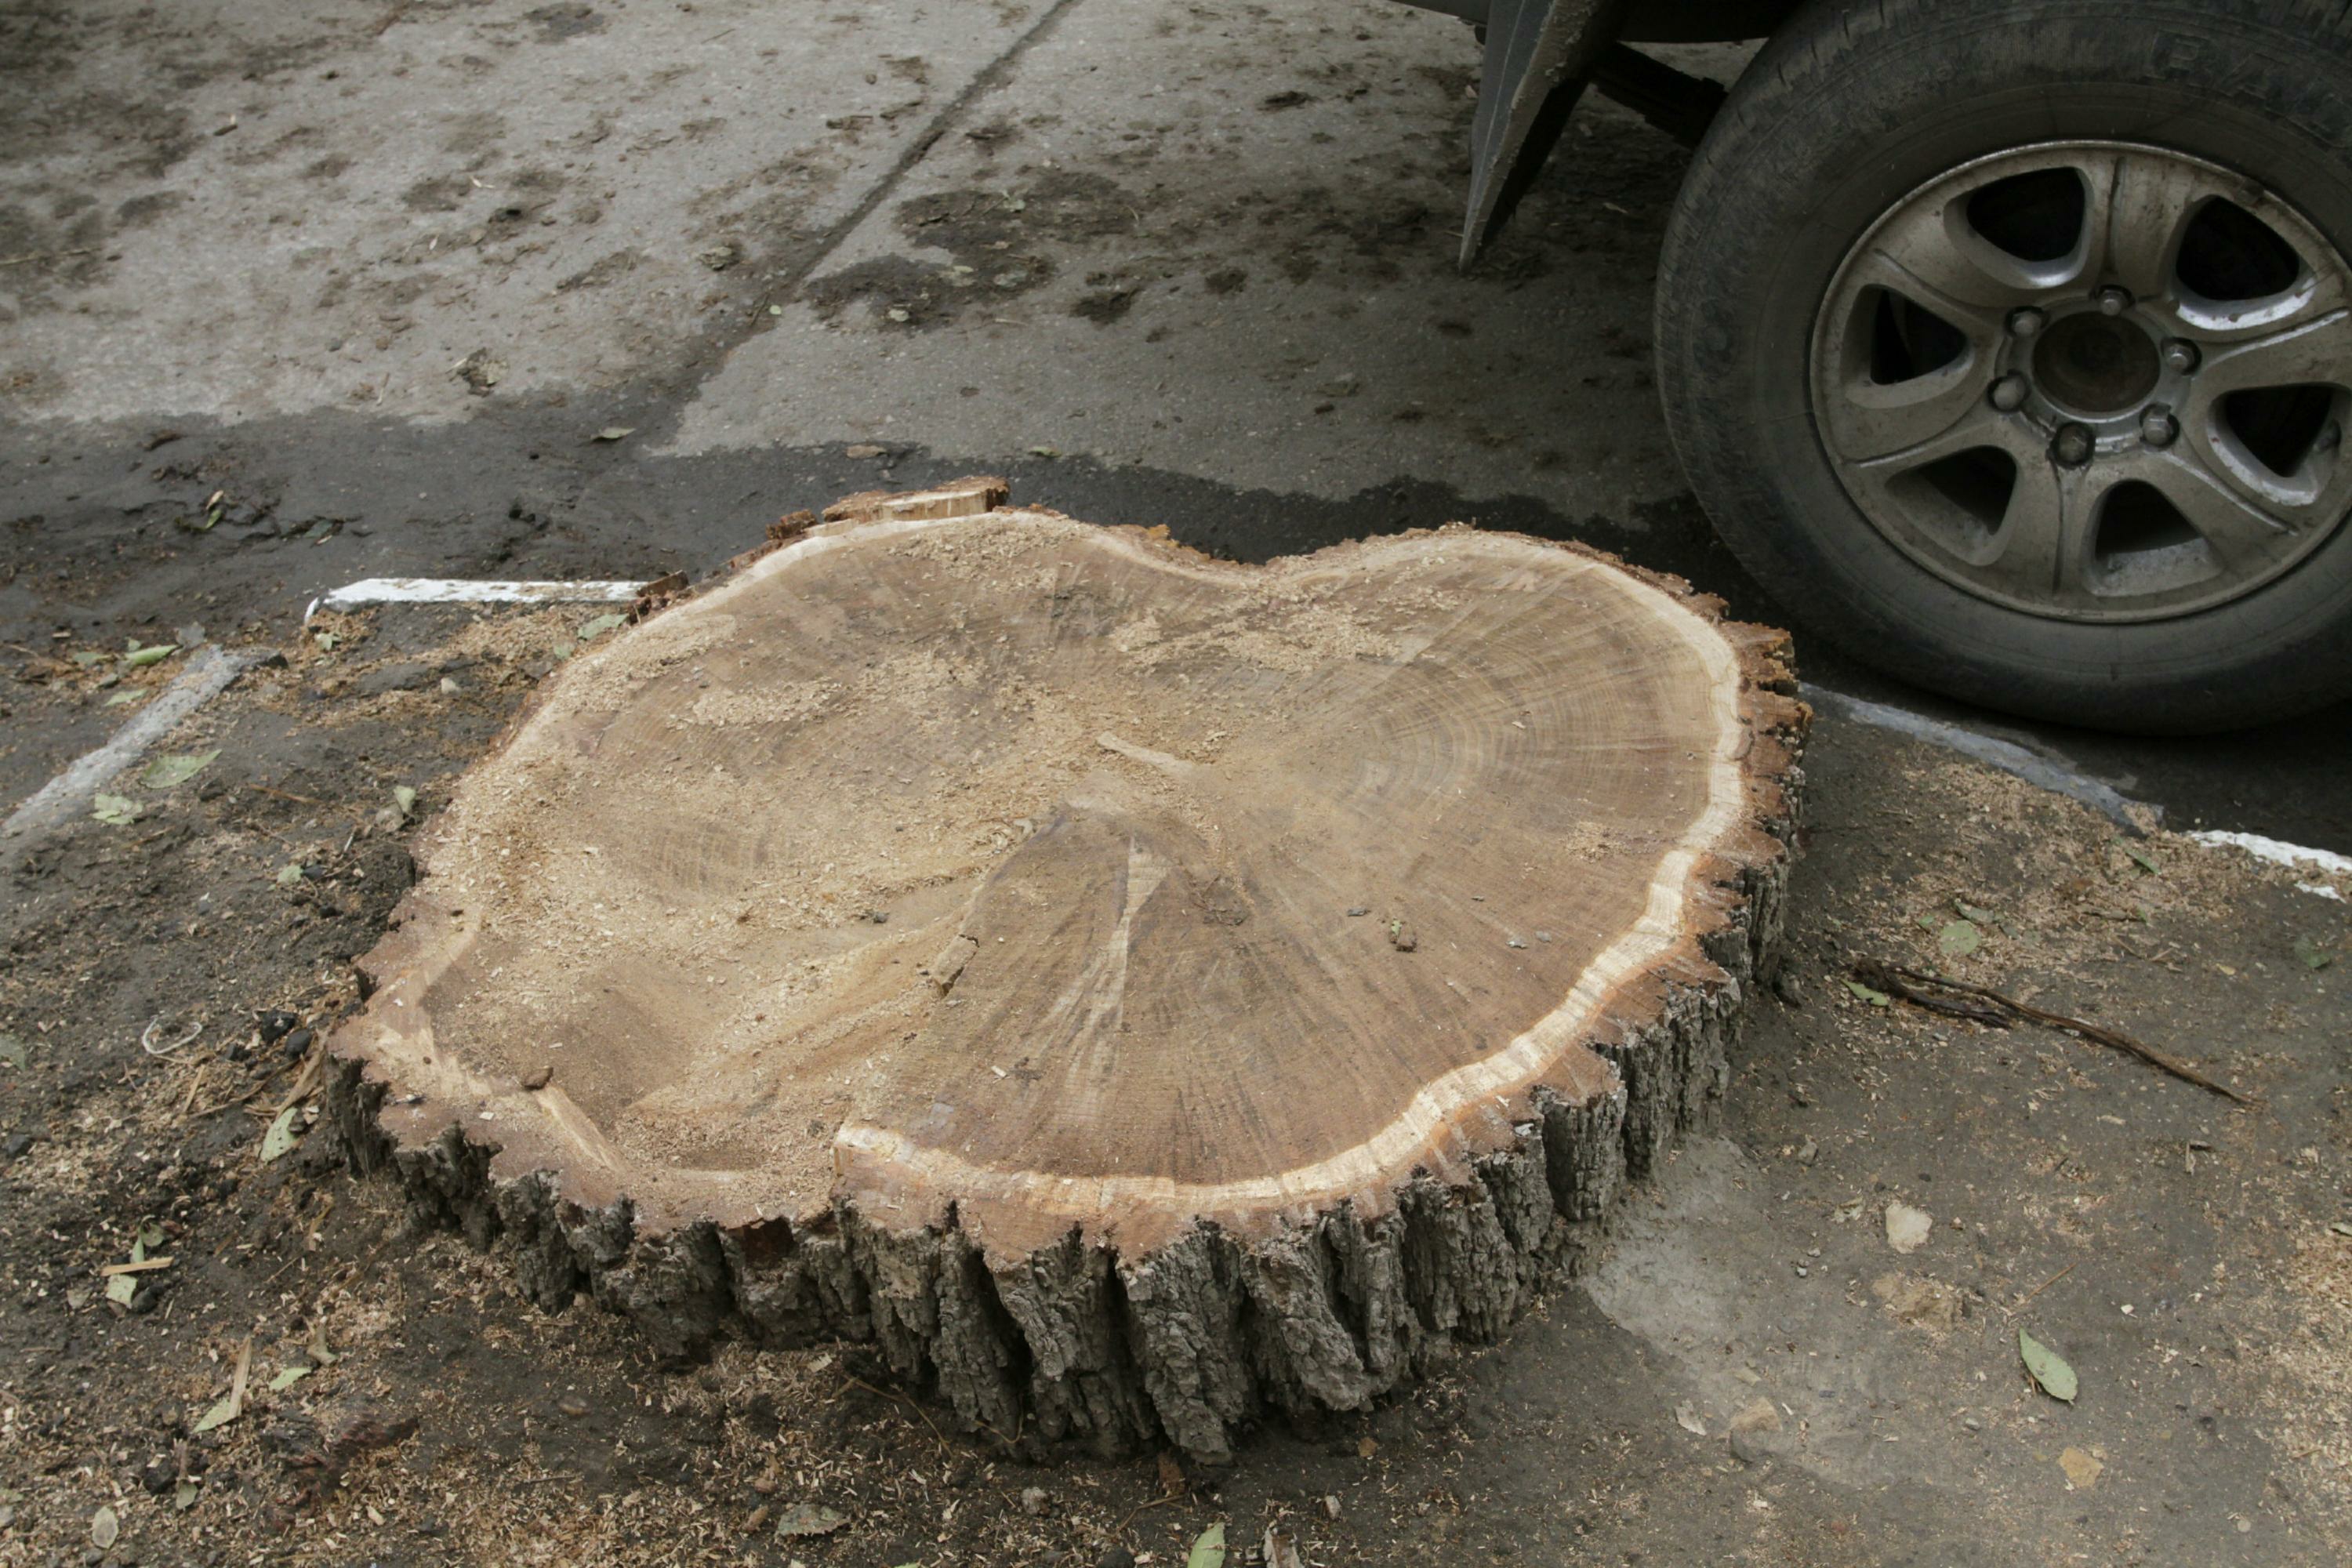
<point x="1133" y="989"/>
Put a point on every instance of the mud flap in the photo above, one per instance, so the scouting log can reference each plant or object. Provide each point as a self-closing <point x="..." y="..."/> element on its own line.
<point x="1538" y="53"/>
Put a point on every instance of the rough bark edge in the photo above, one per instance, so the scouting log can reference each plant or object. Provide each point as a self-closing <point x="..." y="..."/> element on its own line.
<point x="1188" y="1346"/>
<point x="1211" y="1332"/>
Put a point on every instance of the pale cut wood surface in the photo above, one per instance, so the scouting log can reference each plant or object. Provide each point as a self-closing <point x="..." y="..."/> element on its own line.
<point x="1044" y="887"/>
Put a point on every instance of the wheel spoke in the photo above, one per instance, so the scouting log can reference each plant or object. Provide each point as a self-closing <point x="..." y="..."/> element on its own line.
<point x="1868" y="420"/>
<point x="1978" y="426"/>
<point x="1922" y="256"/>
<point x="2244" y="321"/>
<point x="2317" y="349"/>
<point x="2042" y="540"/>
<point x="2244" y="535"/>
<point x="2139" y="207"/>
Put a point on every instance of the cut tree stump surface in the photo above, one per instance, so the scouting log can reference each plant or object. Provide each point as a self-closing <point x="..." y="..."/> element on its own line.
<point x="1134" y="988"/>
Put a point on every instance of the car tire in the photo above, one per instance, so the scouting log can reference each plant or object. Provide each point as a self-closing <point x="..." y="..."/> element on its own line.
<point x="1853" y="108"/>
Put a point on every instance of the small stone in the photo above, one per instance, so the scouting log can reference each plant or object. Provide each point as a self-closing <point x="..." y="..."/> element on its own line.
<point x="863" y="448"/>
<point x="1810" y="1152"/>
<point x="1117" y="1557"/>
<point x="18" y="1145"/>
<point x="879" y="917"/>
<point x="1908" y="1228"/>
<point x="1033" y="1501"/>
<point x="276" y="1027"/>
<point x="448" y="686"/>
<point x="537" y="1077"/>
<point x="572" y="1405"/>
<point x="1789" y="988"/>
<point x="298" y="1043"/>
<point x="1359" y="909"/>
<point x="1401" y="937"/>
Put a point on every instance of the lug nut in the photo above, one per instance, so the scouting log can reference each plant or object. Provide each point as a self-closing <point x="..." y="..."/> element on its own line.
<point x="2157" y="426"/>
<point x="2024" y="321"/>
<point x="2073" y="446"/>
<point x="2180" y="357"/>
<point x="2008" y="393"/>
<point x="2114" y="300"/>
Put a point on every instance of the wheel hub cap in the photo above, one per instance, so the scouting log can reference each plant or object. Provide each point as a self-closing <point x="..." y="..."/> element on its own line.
<point x="2096" y="365"/>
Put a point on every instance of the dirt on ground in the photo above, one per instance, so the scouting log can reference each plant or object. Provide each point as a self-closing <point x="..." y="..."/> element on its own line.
<point x="297" y="1366"/>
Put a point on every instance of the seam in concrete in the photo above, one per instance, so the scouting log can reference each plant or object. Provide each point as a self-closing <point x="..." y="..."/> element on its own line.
<point x="984" y="81"/>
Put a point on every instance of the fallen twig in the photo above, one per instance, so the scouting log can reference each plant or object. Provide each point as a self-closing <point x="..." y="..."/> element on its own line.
<point x="306" y="1079"/>
<point x="45" y="255"/>
<point x="245" y="1098"/>
<point x="1160" y="1501"/>
<point x="900" y="1399"/>
<point x="2019" y="1306"/>
<point x="1923" y="991"/>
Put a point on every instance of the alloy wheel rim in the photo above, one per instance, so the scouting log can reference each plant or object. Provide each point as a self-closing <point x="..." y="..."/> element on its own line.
<point x="2090" y="381"/>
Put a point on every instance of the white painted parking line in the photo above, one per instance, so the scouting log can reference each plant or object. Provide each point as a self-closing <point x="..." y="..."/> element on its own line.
<point x="469" y="590"/>
<point x="2278" y="852"/>
<point x="68" y="795"/>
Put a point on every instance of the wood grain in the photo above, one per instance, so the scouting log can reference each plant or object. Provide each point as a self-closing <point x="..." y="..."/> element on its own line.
<point x="1135" y="989"/>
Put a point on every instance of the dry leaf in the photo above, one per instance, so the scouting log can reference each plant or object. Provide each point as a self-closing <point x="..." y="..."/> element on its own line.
<point x="231" y="1404"/>
<point x="281" y="1135"/>
<point x="810" y="1519"/>
<point x="2049" y="1368"/>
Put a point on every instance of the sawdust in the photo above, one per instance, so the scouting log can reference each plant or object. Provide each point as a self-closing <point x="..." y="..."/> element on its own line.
<point x="702" y="890"/>
<point x="2308" y="1394"/>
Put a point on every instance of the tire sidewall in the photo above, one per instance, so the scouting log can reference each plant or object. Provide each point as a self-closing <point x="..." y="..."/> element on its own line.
<point x="1800" y="181"/>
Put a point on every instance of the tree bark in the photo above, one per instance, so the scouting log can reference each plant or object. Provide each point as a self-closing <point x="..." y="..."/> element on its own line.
<point x="1135" y="992"/>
